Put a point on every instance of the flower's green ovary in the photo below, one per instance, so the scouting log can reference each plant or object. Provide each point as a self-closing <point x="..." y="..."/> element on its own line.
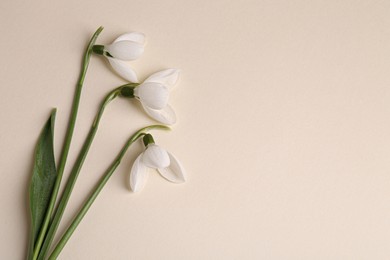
<point x="67" y="142"/>
<point x="68" y="233"/>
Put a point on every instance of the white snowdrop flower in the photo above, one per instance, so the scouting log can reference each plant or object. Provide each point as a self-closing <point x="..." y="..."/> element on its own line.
<point x="155" y="157"/>
<point x="153" y="94"/>
<point x="126" y="47"/>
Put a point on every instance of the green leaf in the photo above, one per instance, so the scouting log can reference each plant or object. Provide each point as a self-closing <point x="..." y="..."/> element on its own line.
<point x="43" y="178"/>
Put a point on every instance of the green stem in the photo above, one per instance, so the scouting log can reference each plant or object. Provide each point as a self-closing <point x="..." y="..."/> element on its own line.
<point x="67" y="142"/>
<point x="87" y="204"/>
<point x="74" y="173"/>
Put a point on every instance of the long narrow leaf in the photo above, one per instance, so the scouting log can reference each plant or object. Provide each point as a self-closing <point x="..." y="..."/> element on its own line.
<point x="43" y="178"/>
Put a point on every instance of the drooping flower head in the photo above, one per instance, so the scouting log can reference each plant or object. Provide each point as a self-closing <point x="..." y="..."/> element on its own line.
<point x="126" y="47"/>
<point x="155" y="157"/>
<point x="153" y="94"/>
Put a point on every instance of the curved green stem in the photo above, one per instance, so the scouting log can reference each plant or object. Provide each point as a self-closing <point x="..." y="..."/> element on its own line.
<point x="87" y="204"/>
<point x="67" y="142"/>
<point x="74" y="173"/>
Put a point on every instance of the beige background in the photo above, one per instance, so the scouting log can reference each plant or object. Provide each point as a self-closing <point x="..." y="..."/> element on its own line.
<point x="284" y="124"/>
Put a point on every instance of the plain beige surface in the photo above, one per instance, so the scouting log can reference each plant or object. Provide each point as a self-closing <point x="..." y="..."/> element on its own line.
<point x="284" y="124"/>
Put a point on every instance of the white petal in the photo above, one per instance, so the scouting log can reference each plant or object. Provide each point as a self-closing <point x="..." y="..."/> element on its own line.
<point x="138" y="175"/>
<point x="175" y="172"/>
<point x="123" y="69"/>
<point x="155" y="157"/>
<point x="125" y="50"/>
<point x="132" y="36"/>
<point x="167" y="77"/>
<point x="153" y="95"/>
<point x="165" y="115"/>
